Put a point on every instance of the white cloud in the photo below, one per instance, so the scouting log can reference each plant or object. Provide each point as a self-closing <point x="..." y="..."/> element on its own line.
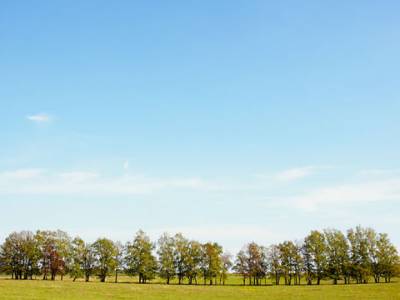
<point x="39" y="118"/>
<point x="363" y="192"/>
<point x="126" y="165"/>
<point x="37" y="182"/>
<point x="91" y="184"/>
<point x="78" y="176"/>
<point x="379" y="172"/>
<point x="21" y="174"/>
<point x="296" y="173"/>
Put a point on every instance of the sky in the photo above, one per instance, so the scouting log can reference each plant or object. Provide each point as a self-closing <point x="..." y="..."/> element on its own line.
<point x="229" y="121"/>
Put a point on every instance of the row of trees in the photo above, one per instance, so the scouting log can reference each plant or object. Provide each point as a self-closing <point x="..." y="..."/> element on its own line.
<point x="359" y="255"/>
<point x="51" y="253"/>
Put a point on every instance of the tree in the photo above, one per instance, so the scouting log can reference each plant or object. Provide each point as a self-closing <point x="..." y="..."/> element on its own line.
<point x="298" y="263"/>
<point x="388" y="258"/>
<point x="54" y="250"/>
<point x="19" y="255"/>
<point x="360" y="253"/>
<point x="89" y="261"/>
<point x="288" y="252"/>
<point x="226" y="265"/>
<point x="181" y="256"/>
<point x="63" y="250"/>
<point x="82" y="260"/>
<point x="139" y="258"/>
<point x="166" y="257"/>
<point x="119" y="259"/>
<point x="104" y="252"/>
<point x="241" y="266"/>
<point x="76" y="267"/>
<point x="359" y="256"/>
<point x="256" y="263"/>
<point x="274" y="262"/>
<point x="314" y="251"/>
<point x="211" y="261"/>
<point x="337" y="251"/>
<point x="192" y="261"/>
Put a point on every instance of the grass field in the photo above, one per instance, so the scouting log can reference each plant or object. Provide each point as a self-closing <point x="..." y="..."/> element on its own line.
<point x="38" y="289"/>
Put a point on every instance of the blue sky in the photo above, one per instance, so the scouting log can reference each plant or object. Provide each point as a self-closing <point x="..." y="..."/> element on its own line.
<point x="233" y="121"/>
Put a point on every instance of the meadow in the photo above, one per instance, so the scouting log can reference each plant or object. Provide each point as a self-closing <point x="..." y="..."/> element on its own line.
<point x="128" y="289"/>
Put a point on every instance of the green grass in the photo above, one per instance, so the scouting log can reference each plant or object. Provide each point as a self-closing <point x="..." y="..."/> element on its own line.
<point x="38" y="289"/>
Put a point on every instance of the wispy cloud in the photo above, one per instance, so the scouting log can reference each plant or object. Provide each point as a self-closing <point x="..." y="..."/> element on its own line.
<point x="37" y="182"/>
<point x="78" y="176"/>
<point x="379" y="172"/>
<point x="40" y="118"/>
<point x="21" y="174"/>
<point x="126" y="165"/>
<point x="348" y="194"/>
<point x="297" y="173"/>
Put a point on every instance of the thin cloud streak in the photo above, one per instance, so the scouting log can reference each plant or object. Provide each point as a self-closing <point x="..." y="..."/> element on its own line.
<point x="40" y="118"/>
<point x="294" y="174"/>
<point x="348" y="194"/>
<point x="39" y="182"/>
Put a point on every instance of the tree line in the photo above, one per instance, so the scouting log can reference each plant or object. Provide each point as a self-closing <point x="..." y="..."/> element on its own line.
<point x="358" y="256"/>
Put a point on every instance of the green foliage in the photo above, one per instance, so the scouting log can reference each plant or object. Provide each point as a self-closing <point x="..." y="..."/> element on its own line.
<point x="211" y="262"/>
<point x="139" y="258"/>
<point x="337" y="252"/>
<point x="359" y="256"/>
<point x="19" y="255"/>
<point x="315" y="250"/>
<point x="105" y="253"/>
<point x="166" y="258"/>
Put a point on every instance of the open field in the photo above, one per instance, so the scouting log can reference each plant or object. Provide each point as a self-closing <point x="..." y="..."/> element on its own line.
<point x="38" y="289"/>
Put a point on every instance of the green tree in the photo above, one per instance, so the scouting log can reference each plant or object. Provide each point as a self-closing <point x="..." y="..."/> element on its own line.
<point x="193" y="261"/>
<point x="83" y="260"/>
<point x="211" y="261"/>
<point x="314" y="251"/>
<point x="54" y="247"/>
<point x="181" y="256"/>
<point x="388" y="258"/>
<point x="104" y="252"/>
<point x="361" y="265"/>
<point x="166" y="257"/>
<point x="19" y="255"/>
<point x="241" y="266"/>
<point x="337" y="250"/>
<point x="288" y="252"/>
<point x="298" y="264"/>
<point x="119" y="259"/>
<point x="226" y="265"/>
<point x="256" y="263"/>
<point x="89" y="261"/>
<point x="139" y="258"/>
<point x="76" y="266"/>
<point x="274" y="263"/>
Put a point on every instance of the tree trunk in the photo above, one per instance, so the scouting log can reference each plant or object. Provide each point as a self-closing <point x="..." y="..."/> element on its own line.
<point x="309" y="280"/>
